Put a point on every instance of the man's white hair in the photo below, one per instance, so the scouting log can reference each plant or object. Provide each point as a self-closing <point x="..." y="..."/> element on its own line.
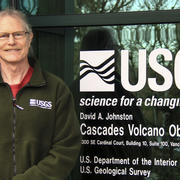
<point x="16" y="13"/>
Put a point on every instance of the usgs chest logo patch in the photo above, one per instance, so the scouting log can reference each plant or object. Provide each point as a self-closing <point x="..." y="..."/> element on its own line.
<point x="41" y="103"/>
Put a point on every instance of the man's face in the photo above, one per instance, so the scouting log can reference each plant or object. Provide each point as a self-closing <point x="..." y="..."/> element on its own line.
<point x="13" y="47"/>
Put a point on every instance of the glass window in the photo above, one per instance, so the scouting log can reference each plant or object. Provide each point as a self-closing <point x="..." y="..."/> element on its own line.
<point x="107" y="6"/>
<point x="54" y="49"/>
<point x="152" y="54"/>
<point x="29" y="6"/>
<point x="41" y="7"/>
<point x="134" y="37"/>
<point x="4" y="4"/>
<point x="58" y="7"/>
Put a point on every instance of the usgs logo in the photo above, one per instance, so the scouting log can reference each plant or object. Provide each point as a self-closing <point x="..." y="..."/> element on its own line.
<point x="156" y="66"/>
<point x="40" y="103"/>
<point x="97" y="71"/>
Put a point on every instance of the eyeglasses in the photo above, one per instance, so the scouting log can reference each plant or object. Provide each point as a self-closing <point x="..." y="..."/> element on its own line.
<point x="16" y="35"/>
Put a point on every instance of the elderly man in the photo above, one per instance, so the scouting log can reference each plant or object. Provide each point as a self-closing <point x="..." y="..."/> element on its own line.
<point x="39" y="132"/>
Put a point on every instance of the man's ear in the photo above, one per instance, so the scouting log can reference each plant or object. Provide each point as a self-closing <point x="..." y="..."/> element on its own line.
<point x="31" y="36"/>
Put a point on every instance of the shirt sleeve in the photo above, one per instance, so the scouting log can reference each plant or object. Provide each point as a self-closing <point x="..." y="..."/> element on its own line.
<point x="61" y="158"/>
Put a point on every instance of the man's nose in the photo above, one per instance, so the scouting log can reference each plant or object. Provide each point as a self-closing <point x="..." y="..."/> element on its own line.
<point x="11" y="40"/>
